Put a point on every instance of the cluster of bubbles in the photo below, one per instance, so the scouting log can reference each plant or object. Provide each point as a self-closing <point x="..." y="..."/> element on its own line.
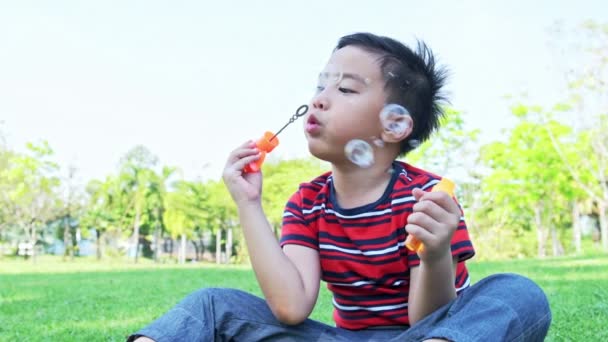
<point x="393" y="119"/>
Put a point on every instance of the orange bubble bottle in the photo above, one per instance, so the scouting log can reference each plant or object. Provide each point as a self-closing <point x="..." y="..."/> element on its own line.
<point x="265" y="144"/>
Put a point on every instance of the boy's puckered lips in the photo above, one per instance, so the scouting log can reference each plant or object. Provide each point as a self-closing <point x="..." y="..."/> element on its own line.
<point x="312" y="124"/>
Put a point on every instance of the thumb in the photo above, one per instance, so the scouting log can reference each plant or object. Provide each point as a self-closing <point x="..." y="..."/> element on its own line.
<point x="418" y="193"/>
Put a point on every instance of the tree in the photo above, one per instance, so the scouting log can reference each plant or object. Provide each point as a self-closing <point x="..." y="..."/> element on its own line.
<point x="587" y="107"/>
<point x="528" y="187"/>
<point x="106" y="209"/>
<point x="177" y="220"/>
<point x="72" y="206"/>
<point x="29" y="196"/>
<point x="156" y="203"/>
<point x="136" y="174"/>
<point x="451" y="148"/>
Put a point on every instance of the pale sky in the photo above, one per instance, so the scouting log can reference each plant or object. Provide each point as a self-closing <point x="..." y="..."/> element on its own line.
<point x="191" y="80"/>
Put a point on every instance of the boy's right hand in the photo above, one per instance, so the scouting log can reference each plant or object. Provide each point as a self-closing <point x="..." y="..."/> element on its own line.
<point x="243" y="187"/>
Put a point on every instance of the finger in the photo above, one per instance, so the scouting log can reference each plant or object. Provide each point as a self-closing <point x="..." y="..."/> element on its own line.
<point x="423" y="220"/>
<point x="419" y="232"/>
<point x="418" y="193"/>
<point x="443" y="200"/>
<point x="240" y="164"/>
<point x="431" y="209"/>
<point x="248" y="143"/>
<point x="240" y="153"/>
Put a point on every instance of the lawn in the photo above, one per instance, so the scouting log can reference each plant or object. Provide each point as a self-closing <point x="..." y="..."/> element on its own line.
<point x="87" y="300"/>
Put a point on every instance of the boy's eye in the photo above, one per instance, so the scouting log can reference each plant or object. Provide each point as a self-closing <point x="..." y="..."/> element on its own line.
<point x="320" y="89"/>
<point x="346" y="90"/>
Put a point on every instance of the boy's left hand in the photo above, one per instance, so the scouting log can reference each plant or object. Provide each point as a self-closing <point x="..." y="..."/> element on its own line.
<point x="434" y="220"/>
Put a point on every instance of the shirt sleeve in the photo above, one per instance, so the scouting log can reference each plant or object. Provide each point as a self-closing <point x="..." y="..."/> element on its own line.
<point x="296" y="229"/>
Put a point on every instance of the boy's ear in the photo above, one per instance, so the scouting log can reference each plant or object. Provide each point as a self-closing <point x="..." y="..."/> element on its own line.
<point x="397" y="128"/>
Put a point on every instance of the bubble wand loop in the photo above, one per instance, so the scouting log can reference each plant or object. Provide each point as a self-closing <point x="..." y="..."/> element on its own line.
<point x="269" y="141"/>
<point x="412" y="243"/>
<point x="303" y="109"/>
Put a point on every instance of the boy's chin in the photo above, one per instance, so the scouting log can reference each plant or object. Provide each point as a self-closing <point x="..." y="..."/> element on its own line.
<point x="320" y="153"/>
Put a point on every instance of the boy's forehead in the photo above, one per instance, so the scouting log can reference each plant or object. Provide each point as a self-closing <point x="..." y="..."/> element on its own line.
<point x="354" y="63"/>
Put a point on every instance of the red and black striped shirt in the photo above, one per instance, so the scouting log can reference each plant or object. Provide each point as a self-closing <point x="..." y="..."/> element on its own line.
<point x="362" y="250"/>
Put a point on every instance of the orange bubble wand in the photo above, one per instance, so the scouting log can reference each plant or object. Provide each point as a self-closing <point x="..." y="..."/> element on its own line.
<point x="412" y="243"/>
<point x="269" y="141"/>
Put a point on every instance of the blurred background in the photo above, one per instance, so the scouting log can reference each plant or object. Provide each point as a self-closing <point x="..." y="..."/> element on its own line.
<point x="116" y="118"/>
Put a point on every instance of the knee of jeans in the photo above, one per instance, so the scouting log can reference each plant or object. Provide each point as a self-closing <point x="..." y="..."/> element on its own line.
<point x="208" y="294"/>
<point x="523" y="294"/>
<point x="201" y="298"/>
<point x="216" y="295"/>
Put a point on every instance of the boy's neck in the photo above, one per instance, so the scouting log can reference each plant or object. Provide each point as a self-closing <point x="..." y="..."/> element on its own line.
<point x="355" y="187"/>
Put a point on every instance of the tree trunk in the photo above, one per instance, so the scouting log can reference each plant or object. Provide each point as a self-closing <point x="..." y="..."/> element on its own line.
<point x="218" y="246"/>
<point x="558" y="248"/>
<point x="67" y="239"/>
<point x="603" y="225"/>
<point x="136" y="234"/>
<point x="229" y="244"/>
<point x="157" y="242"/>
<point x="34" y="239"/>
<point x="173" y="249"/>
<point x="76" y="248"/>
<point x="540" y="232"/>
<point x="182" y="250"/>
<point x="98" y="242"/>
<point x="196" y="250"/>
<point x="576" y="228"/>
<point x="202" y="250"/>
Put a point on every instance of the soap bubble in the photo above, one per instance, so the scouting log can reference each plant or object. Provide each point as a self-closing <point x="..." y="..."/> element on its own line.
<point x="393" y="117"/>
<point x="329" y="78"/>
<point x="359" y="152"/>
<point x="415" y="143"/>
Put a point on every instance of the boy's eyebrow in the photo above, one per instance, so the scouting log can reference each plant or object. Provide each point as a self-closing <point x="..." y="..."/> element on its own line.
<point x="346" y="75"/>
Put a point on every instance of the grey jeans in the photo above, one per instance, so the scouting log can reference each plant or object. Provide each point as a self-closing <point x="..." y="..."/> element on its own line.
<point x="502" y="307"/>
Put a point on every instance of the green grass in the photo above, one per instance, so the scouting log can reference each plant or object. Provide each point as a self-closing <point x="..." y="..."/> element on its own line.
<point x="54" y="300"/>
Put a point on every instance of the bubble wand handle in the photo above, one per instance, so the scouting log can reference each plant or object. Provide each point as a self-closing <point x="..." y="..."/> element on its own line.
<point x="412" y="243"/>
<point x="269" y="141"/>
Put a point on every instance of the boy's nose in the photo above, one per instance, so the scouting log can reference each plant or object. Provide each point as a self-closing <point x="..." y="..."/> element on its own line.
<point x="319" y="102"/>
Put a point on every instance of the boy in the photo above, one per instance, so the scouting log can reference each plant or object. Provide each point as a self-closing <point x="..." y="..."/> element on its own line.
<point x="346" y="227"/>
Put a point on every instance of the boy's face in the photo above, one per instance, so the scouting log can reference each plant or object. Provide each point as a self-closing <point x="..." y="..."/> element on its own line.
<point x="350" y="95"/>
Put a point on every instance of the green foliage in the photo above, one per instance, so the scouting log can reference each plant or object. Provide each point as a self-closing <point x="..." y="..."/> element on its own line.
<point x="528" y="187"/>
<point x="519" y="110"/>
<point x="451" y="147"/>
<point x="28" y="185"/>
